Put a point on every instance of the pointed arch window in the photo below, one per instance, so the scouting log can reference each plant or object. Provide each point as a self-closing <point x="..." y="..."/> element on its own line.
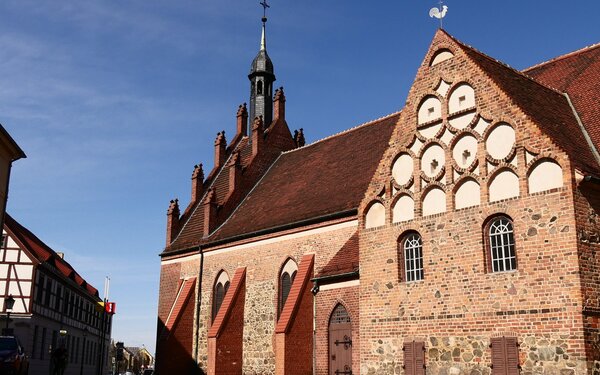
<point x="286" y="279"/>
<point x="410" y="257"/>
<point x="259" y="88"/>
<point x="500" y="244"/>
<point x="219" y="292"/>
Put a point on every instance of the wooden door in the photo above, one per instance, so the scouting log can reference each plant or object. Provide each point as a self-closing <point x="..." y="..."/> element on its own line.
<point x="340" y="342"/>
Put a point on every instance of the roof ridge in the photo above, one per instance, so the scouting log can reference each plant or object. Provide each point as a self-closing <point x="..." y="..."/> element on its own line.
<point x="502" y="63"/>
<point x="360" y="126"/>
<point x="561" y="57"/>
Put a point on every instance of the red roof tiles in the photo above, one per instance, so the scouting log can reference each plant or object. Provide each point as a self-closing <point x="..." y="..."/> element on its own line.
<point x="43" y="253"/>
<point x="344" y="261"/>
<point x="577" y="74"/>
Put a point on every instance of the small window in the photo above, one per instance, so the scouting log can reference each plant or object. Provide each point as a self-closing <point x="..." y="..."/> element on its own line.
<point x="500" y="245"/>
<point x="259" y="88"/>
<point x="410" y="258"/>
<point x="219" y="292"/>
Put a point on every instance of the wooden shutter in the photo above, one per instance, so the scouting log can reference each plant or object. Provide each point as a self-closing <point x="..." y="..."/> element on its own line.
<point x="419" y="348"/>
<point x="414" y="358"/>
<point x="409" y="355"/>
<point x="512" y="355"/>
<point x="505" y="356"/>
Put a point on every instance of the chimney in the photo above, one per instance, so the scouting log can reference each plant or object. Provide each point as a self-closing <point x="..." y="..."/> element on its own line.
<point x="172" y="221"/>
<point x="197" y="180"/>
<point x="257" y="135"/>
<point x="220" y="149"/>
<point x="210" y="212"/>
<point x="242" y="120"/>
<point x="279" y="104"/>
<point x="235" y="171"/>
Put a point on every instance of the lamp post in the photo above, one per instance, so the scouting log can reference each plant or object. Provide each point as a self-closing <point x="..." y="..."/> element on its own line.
<point x="9" y="303"/>
<point x="85" y="331"/>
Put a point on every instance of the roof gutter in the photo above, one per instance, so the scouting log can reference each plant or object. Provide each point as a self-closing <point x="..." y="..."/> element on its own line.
<point x="331" y="278"/>
<point x="261" y="232"/>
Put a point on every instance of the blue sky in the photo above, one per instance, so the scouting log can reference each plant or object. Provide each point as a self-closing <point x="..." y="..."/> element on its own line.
<point x="115" y="101"/>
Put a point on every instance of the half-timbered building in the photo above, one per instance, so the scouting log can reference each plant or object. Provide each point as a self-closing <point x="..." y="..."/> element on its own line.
<point x="456" y="236"/>
<point x="54" y="305"/>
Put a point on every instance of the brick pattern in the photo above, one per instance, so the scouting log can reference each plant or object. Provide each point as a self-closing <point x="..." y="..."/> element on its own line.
<point x="458" y="299"/>
<point x="186" y="290"/>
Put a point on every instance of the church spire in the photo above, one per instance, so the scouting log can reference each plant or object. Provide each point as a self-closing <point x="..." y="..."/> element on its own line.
<point x="261" y="78"/>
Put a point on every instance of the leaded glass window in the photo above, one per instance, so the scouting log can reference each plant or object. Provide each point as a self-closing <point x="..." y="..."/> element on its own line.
<point x="413" y="257"/>
<point x="502" y="245"/>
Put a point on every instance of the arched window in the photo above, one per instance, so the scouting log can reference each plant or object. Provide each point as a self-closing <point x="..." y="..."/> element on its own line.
<point x="219" y="291"/>
<point x="410" y="257"/>
<point x="500" y="244"/>
<point x="286" y="279"/>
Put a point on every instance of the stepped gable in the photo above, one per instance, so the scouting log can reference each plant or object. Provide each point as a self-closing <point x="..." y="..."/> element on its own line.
<point x="548" y="108"/>
<point x="578" y="74"/>
<point x="43" y="253"/>
<point x="326" y="177"/>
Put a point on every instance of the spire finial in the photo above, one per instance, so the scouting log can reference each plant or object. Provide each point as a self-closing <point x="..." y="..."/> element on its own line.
<point x="263" y="40"/>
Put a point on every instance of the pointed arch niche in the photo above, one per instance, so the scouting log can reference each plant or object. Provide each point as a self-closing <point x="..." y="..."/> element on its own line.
<point x="219" y="290"/>
<point x="286" y="279"/>
<point x="468" y="194"/>
<point x="545" y="175"/>
<point x="441" y="55"/>
<point x="434" y="201"/>
<point x="375" y="216"/>
<point x="504" y="185"/>
<point x="404" y="209"/>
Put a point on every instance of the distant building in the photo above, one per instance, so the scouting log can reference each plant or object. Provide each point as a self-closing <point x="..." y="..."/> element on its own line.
<point x="460" y="235"/>
<point x="140" y="359"/>
<point x="9" y="152"/>
<point x="54" y="305"/>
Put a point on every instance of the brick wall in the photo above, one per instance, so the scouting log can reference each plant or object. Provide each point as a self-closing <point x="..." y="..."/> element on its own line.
<point x="459" y="305"/>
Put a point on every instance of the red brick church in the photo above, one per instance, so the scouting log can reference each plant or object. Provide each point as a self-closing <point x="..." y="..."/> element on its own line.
<point x="460" y="235"/>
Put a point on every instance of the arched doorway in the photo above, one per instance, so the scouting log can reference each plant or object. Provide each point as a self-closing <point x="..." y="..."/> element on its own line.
<point x="340" y="342"/>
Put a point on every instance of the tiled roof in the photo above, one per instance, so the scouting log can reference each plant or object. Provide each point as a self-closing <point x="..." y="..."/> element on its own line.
<point x="237" y="283"/>
<point x="43" y="253"/>
<point x="305" y="271"/>
<point x="548" y="108"/>
<point x="578" y="74"/>
<point x="344" y="261"/>
<point x="325" y="177"/>
<point x="183" y="296"/>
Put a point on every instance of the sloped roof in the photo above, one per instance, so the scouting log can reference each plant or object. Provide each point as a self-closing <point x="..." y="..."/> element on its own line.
<point x="546" y="106"/>
<point x="346" y="260"/>
<point x="325" y="177"/>
<point x="43" y="253"/>
<point x="576" y="73"/>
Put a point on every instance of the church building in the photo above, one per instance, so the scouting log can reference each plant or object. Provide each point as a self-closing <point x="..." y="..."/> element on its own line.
<point x="458" y="235"/>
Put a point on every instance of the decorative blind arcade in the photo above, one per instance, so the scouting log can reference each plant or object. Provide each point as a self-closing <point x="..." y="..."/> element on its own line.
<point x="505" y="356"/>
<point x="414" y="358"/>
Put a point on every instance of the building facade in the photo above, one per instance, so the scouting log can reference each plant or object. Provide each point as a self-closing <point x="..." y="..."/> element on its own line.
<point x="9" y="152"/>
<point x="459" y="235"/>
<point x="54" y="306"/>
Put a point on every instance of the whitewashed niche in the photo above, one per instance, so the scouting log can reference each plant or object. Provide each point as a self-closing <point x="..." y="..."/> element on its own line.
<point x="429" y="110"/>
<point x="500" y="141"/>
<point x="403" y="169"/>
<point x="465" y="151"/>
<point x="404" y="209"/>
<point x="504" y="185"/>
<point x="375" y="216"/>
<point x="545" y="175"/>
<point x="434" y="202"/>
<point x="468" y="194"/>
<point x="441" y="55"/>
<point x="462" y="97"/>
<point x="433" y="160"/>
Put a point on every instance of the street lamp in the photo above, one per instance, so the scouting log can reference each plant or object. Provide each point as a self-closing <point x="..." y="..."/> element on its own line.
<point x="85" y="331"/>
<point x="9" y="303"/>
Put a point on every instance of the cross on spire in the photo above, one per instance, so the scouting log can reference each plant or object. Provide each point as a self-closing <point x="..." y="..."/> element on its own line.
<point x="265" y="6"/>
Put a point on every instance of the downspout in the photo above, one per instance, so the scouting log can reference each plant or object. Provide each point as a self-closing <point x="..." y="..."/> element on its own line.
<point x="198" y="303"/>
<point x="314" y="291"/>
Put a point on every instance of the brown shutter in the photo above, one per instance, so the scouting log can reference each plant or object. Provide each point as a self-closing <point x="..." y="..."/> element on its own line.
<point x="409" y="355"/>
<point x="419" y="358"/>
<point x="498" y="356"/>
<point x="512" y="355"/>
